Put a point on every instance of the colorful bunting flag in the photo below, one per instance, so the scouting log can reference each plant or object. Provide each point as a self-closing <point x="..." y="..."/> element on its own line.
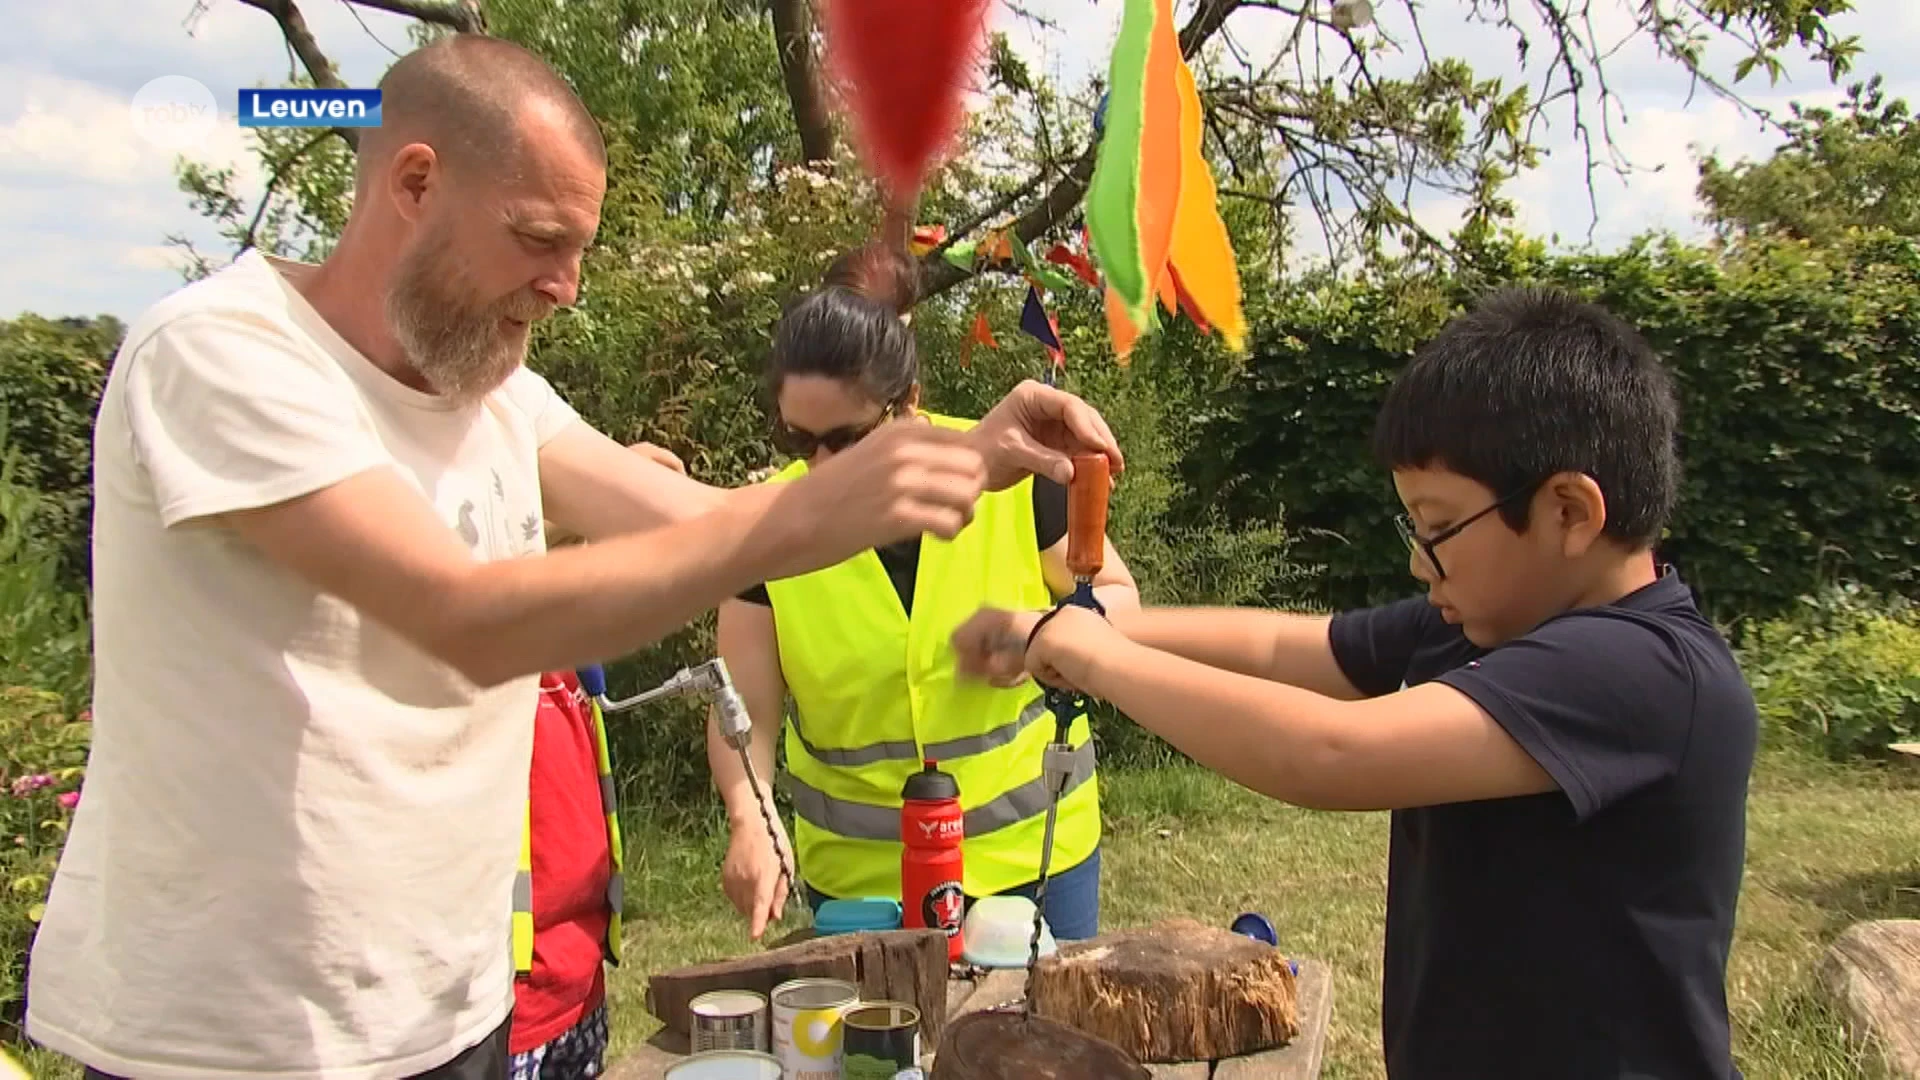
<point x="1082" y="267"/>
<point x="1036" y="320"/>
<point x="1152" y="214"/>
<point x="926" y="238"/>
<point x="982" y="334"/>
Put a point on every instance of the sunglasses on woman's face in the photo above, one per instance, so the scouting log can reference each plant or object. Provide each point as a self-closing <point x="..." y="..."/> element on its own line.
<point x="801" y="443"/>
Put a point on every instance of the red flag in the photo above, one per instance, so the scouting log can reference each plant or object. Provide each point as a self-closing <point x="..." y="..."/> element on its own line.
<point x="1082" y="267"/>
<point x="982" y="334"/>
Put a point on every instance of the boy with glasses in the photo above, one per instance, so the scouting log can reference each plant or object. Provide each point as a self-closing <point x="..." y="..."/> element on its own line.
<point x="1563" y="739"/>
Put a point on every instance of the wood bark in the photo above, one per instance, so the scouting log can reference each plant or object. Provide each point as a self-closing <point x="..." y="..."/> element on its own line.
<point x="1008" y="1045"/>
<point x="1873" y="973"/>
<point x="897" y="965"/>
<point x="1177" y="991"/>
<point x="800" y="71"/>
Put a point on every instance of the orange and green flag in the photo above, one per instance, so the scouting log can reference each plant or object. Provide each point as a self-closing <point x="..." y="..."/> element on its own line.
<point x="1151" y="208"/>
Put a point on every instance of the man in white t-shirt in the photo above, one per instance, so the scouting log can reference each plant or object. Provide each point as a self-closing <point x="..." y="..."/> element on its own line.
<point x="322" y="601"/>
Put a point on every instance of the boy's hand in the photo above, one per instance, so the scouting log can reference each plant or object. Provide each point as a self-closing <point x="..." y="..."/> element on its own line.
<point x="1063" y="652"/>
<point x="992" y="645"/>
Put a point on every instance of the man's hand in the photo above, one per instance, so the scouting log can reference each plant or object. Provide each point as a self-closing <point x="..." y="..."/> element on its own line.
<point x="992" y="645"/>
<point x="1037" y="429"/>
<point x="660" y="455"/>
<point x="906" y="479"/>
<point x="751" y="875"/>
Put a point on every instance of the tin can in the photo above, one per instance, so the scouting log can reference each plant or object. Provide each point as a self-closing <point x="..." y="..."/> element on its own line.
<point x="807" y="1027"/>
<point x="882" y="1041"/>
<point x="725" y="1065"/>
<point x="729" y="1020"/>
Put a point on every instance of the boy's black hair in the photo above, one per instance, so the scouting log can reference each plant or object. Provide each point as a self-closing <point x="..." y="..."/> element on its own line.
<point x="842" y="334"/>
<point x="1531" y="382"/>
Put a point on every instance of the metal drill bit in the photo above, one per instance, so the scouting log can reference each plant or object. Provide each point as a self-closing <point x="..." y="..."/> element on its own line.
<point x="1053" y="753"/>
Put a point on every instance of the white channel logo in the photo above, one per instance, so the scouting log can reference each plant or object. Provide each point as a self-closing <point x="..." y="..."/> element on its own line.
<point x="174" y="112"/>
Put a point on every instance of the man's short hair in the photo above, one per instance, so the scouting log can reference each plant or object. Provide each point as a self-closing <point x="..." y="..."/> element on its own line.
<point x="1533" y="382"/>
<point x="464" y="95"/>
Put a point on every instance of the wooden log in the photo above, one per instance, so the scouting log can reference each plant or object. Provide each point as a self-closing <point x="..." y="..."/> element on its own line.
<point x="1002" y="1044"/>
<point x="1178" y="991"/>
<point x="895" y="965"/>
<point x="1004" y="986"/>
<point x="1873" y="972"/>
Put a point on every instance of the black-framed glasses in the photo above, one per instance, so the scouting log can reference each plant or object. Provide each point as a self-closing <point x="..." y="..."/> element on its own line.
<point x="803" y="444"/>
<point x="1426" y="545"/>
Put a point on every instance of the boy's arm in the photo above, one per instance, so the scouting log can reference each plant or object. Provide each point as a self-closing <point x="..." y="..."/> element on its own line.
<point x="1293" y="649"/>
<point x="1594" y="706"/>
<point x="1419" y="747"/>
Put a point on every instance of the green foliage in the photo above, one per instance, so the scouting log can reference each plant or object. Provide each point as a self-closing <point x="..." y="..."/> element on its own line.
<point x="1799" y="384"/>
<point x="51" y="375"/>
<point x="44" y="686"/>
<point x="1855" y="168"/>
<point x="1841" y="674"/>
<point x="43" y="752"/>
<point x="45" y="640"/>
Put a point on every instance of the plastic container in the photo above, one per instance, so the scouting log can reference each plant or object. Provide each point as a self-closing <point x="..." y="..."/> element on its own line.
<point x="856" y="916"/>
<point x="725" y="1065"/>
<point x="999" y="932"/>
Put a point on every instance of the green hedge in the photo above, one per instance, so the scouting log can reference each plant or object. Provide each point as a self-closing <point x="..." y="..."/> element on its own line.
<point x="1799" y="375"/>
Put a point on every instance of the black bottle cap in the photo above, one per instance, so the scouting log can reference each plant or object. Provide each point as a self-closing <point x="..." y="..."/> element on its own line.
<point x="930" y="783"/>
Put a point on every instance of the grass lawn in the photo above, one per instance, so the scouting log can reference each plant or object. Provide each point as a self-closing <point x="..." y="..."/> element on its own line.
<point x="1828" y="845"/>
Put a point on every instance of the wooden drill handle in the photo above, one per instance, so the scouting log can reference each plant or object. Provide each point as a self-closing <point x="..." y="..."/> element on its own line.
<point x="1087" y="515"/>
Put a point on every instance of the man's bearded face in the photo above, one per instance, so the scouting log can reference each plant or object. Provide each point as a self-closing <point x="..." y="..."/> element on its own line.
<point x="463" y="345"/>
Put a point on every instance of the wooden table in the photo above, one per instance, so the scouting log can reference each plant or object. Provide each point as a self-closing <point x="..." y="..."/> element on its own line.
<point x="1298" y="1060"/>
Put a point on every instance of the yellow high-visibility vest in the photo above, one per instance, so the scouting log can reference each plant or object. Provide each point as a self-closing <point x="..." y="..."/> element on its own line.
<point x="616" y="883"/>
<point x="876" y="691"/>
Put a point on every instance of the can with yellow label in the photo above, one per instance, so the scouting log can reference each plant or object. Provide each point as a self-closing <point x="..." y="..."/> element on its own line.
<point x="808" y="1025"/>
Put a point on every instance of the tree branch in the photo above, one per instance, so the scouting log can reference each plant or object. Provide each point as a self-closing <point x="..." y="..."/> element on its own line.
<point x="293" y="26"/>
<point x="248" y="239"/>
<point x="1066" y="193"/>
<point x="462" y="15"/>
<point x="799" y="67"/>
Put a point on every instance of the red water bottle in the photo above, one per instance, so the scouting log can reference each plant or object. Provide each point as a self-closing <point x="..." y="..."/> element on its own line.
<point x="931" y="827"/>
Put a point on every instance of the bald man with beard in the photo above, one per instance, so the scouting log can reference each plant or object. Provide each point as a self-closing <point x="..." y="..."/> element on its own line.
<point x="322" y="600"/>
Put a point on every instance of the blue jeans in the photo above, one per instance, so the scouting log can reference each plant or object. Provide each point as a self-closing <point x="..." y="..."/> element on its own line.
<point x="1073" y="899"/>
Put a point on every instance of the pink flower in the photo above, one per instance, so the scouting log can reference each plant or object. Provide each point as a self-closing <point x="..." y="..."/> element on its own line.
<point x="27" y="785"/>
<point x="70" y="799"/>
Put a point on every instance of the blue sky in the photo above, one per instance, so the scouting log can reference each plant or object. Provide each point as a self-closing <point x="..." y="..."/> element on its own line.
<point x="86" y="203"/>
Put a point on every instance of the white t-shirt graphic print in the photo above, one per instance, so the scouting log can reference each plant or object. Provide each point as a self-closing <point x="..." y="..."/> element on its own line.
<point x="295" y="853"/>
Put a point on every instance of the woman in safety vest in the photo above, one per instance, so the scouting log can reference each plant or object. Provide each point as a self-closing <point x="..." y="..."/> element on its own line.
<point x="863" y="649"/>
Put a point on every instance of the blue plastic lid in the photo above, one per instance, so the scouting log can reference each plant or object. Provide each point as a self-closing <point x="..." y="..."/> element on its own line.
<point x="1255" y="925"/>
<point x="853" y="916"/>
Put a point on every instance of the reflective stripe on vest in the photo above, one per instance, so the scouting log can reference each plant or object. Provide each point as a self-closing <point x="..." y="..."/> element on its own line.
<point x="875" y="692"/>
<point x="616" y="881"/>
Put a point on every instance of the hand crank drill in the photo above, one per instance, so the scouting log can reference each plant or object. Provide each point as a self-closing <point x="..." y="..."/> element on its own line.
<point x="1087" y="498"/>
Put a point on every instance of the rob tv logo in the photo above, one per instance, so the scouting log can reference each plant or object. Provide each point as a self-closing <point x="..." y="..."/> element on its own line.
<point x="309" y="108"/>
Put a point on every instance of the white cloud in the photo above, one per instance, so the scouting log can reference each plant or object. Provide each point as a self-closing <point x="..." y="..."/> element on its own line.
<point x="154" y="257"/>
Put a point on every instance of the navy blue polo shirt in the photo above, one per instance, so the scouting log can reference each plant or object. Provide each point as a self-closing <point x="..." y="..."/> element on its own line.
<point x="1582" y="933"/>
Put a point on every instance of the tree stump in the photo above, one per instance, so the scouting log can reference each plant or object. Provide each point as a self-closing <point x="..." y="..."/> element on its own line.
<point x="1873" y="972"/>
<point x="1002" y="1044"/>
<point x="893" y="965"/>
<point x="1178" y="991"/>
